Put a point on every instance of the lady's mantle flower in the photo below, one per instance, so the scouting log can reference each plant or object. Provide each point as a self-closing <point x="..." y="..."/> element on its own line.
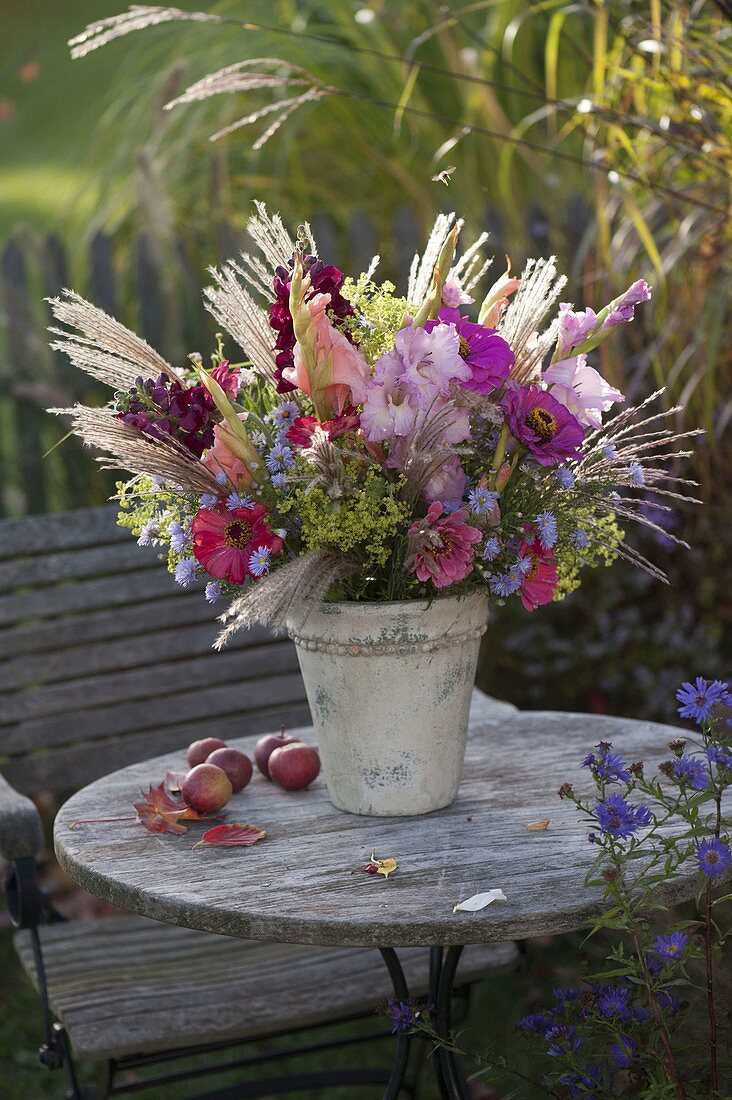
<point x="542" y="424"/>
<point x="539" y="579"/>
<point x="259" y="561"/>
<point x="608" y="765"/>
<point x="561" y="1040"/>
<point x="488" y="355"/>
<point x="713" y="856"/>
<point x="441" y="547"/>
<point x="671" y="948"/>
<point x="618" y="818"/>
<point x="690" y="772"/>
<point x="698" y="699"/>
<point x="224" y="542"/>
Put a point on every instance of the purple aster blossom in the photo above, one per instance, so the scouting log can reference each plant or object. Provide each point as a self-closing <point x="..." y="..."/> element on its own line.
<point x="671" y="948"/>
<point x="614" y="1001"/>
<point x="581" y="539"/>
<point x="669" y="1004"/>
<point x="698" y="699"/>
<point x="285" y="414"/>
<point x="637" y="474"/>
<point x="546" y="526"/>
<point x="575" y="326"/>
<point x="565" y="477"/>
<point x="180" y="537"/>
<point x="148" y="533"/>
<point x="402" y="1015"/>
<point x="482" y="500"/>
<point x="508" y="583"/>
<point x="618" y="818"/>
<point x="582" y="389"/>
<point x="542" y="424"/>
<point x="583" y="1084"/>
<point x="562" y="1040"/>
<point x="208" y="500"/>
<point x="689" y="771"/>
<point x="278" y="480"/>
<point x="713" y="856"/>
<point x="491" y="548"/>
<point x="624" y="1052"/>
<point x="623" y="308"/>
<point x="566" y="993"/>
<point x="259" y="561"/>
<point x="212" y="591"/>
<point x="610" y="452"/>
<point x="536" y="1023"/>
<point x="486" y="353"/>
<point x="720" y="755"/>
<point x="237" y="500"/>
<point x="607" y="765"/>
<point x="186" y="571"/>
<point x="280" y="457"/>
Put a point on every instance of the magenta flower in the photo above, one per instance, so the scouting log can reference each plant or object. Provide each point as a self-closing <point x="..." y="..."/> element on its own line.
<point x="441" y="547"/>
<point x="488" y="355"/>
<point x="539" y="583"/>
<point x="542" y="424"/>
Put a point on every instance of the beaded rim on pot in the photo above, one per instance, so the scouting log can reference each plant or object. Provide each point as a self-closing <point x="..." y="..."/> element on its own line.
<point x="383" y="649"/>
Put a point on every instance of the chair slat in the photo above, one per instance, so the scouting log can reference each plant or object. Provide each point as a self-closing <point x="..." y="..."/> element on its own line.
<point x="82" y="595"/>
<point x="63" y="531"/>
<point x="97" y="561"/>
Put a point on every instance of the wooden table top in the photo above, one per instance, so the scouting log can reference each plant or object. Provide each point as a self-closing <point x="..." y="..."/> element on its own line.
<point x="304" y="883"/>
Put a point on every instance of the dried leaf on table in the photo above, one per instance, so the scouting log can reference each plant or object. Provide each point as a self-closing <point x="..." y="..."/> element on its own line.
<point x="479" y="901"/>
<point x="538" y="826"/>
<point x="235" y="835"/>
<point x="174" y="781"/>
<point x="160" y="813"/>
<point x="383" y="867"/>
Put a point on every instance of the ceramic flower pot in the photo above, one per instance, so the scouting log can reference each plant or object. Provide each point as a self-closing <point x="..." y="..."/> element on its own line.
<point x="389" y="687"/>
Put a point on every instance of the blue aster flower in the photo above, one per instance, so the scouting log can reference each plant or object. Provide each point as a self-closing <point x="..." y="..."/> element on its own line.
<point x="720" y="756"/>
<point x="580" y="539"/>
<point x="278" y="480"/>
<point x="185" y="571"/>
<point x="402" y="1015"/>
<point x="221" y="477"/>
<point x="565" y="477"/>
<point x="691" y="772"/>
<point x="148" y="533"/>
<point x="259" y="561"/>
<point x="208" y="500"/>
<point x="624" y="1052"/>
<point x="285" y="414"/>
<point x="610" y="452"/>
<point x="618" y="818"/>
<point x="583" y="1084"/>
<point x="637" y="474"/>
<point x="535" y="1022"/>
<point x="698" y="699"/>
<point x="506" y="584"/>
<point x="614" y="1000"/>
<point x="562" y="1040"/>
<point x="713" y="856"/>
<point x="213" y="591"/>
<point x="608" y="765"/>
<point x="280" y="457"/>
<point x="237" y="500"/>
<point x="180" y="537"/>
<point x="546" y="525"/>
<point x="566" y="994"/>
<point x="671" y="948"/>
<point x="491" y="548"/>
<point x="481" y="500"/>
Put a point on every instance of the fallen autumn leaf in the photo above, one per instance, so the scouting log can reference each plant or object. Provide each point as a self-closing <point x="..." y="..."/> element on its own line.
<point x="235" y="835"/>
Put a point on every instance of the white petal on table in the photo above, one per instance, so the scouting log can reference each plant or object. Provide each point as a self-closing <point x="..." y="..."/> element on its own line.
<point x="479" y="901"/>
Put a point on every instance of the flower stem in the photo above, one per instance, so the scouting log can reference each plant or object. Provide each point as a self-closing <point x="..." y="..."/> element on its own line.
<point x="671" y="1066"/>
<point x="711" y="1008"/>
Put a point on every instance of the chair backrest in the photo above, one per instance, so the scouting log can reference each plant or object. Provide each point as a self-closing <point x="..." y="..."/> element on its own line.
<point x="105" y="660"/>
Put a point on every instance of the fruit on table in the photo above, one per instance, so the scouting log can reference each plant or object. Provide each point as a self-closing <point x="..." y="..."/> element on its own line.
<point x="199" y="751"/>
<point x="294" y="766"/>
<point x="206" y="789"/>
<point x="266" y="745"/>
<point x="237" y="766"/>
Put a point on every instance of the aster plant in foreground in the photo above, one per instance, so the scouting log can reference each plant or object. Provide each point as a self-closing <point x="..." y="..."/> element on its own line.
<point x="374" y="446"/>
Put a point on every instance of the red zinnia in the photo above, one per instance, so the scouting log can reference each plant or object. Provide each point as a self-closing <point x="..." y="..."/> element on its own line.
<point x="224" y="541"/>
<point x="302" y="429"/>
<point x="539" y="584"/>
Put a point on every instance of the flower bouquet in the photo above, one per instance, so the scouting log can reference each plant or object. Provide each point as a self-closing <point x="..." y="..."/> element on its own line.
<point x="378" y="470"/>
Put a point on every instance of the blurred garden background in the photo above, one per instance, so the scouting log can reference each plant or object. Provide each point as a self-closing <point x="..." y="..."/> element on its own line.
<point x="596" y="130"/>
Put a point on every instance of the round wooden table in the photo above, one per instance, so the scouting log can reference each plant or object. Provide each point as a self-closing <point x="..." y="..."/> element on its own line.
<point x="305" y="883"/>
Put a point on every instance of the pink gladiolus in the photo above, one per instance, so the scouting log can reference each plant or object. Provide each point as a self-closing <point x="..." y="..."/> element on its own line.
<point x="574" y="326"/>
<point x="540" y="582"/>
<point x="453" y="294"/>
<point x="581" y="389"/>
<point x="441" y="547"/>
<point x="448" y="483"/>
<point x="221" y="459"/>
<point x="623" y="308"/>
<point x="327" y="367"/>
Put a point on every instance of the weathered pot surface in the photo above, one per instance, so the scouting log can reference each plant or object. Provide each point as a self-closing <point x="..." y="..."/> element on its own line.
<point x="389" y="688"/>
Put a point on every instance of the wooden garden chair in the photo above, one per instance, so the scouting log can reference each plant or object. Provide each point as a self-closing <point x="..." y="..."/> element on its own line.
<point x="105" y="661"/>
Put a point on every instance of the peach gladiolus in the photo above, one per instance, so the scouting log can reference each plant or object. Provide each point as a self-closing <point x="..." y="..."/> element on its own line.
<point x="221" y="458"/>
<point x="327" y="367"/>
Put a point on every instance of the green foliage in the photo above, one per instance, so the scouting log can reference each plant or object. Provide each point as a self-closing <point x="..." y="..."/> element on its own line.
<point x="605" y="536"/>
<point x="381" y="310"/>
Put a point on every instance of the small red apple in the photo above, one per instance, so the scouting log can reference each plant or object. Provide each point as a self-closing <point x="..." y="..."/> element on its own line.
<point x="206" y="788"/>
<point x="199" y="751"/>
<point x="236" y="764"/>
<point x="294" y="766"/>
<point x="266" y="745"/>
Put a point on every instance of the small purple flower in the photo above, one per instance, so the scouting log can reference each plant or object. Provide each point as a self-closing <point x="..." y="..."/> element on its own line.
<point x="583" y="1084"/>
<point x="607" y="765"/>
<point x="566" y="993"/>
<point x="180" y="537"/>
<point x="614" y="1000"/>
<point x="285" y="414"/>
<point x="237" y="500"/>
<point x="535" y="1022"/>
<point x="689" y="771"/>
<point x="148" y="533"/>
<point x="208" y="500"/>
<point x="259" y="561"/>
<point x="720" y="755"/>
<point x="278" y="480"/>
<point x="542" y="424"/>
<point x="565" y="477"/>
<point x="671" y="947"/>
<point x="402" y="1015"/>
<point x="508" y="583"/>
<point x="482" y="500"/>
<point x="213" y="591"/>
<point x="486" y="353"/>
<point x="546" y="526"/>
<point x="580" y="539"/>
<point x="668" y="1002"/>
<point x="610" y="452"/>
<point x="637" y="474"/>
<point x="562" y="1040"/>
<point x="713" y="856"/>
<point x="698" y="699"/>
<point x="185" y="571"/>
<point x="624" y="1052"/>
<point x="624" y="307"/>
<point x="618" y="818"/>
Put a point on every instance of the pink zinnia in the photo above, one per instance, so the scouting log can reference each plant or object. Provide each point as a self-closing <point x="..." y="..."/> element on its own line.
<point x="540" y="582"/>
<point x="441" y="547"/>
<point x="224" y="541"/>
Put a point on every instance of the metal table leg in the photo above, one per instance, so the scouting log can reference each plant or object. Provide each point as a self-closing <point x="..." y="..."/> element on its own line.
<point x="404" y="1039"/>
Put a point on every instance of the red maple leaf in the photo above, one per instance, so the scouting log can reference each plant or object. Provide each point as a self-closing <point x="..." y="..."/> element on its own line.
<point x="235" y="835"/>
<point x="160" y="813"/>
